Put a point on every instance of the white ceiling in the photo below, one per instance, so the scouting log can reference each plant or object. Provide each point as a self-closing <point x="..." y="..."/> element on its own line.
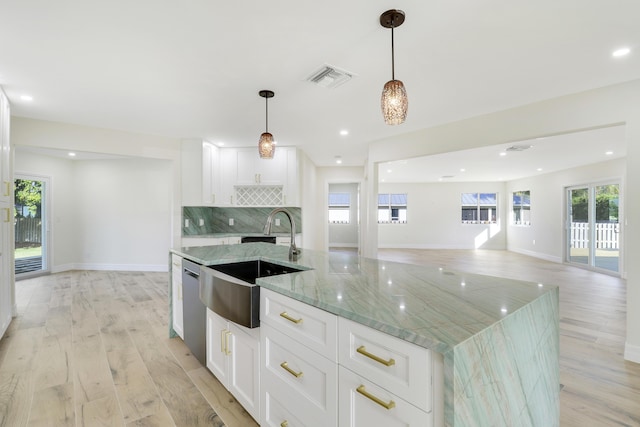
<point x="194" y="69"/>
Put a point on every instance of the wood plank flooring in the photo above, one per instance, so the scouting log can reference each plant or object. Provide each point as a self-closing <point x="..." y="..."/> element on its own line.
<point x="90" y="348"/>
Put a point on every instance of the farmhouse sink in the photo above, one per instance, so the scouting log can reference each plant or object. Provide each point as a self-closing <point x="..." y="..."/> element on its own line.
<point x="230" y="289"/>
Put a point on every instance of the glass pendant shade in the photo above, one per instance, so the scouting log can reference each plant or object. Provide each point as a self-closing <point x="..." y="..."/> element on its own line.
<point x="394" y="102"/>
<point x="266" y="147"/>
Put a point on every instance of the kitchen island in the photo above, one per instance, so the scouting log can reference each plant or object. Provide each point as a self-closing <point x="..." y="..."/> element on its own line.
<point x="498" y="337"/>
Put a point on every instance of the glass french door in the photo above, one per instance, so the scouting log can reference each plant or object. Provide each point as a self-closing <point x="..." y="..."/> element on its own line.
<point x="593" y="226"/>
<point x="30" y="235"/>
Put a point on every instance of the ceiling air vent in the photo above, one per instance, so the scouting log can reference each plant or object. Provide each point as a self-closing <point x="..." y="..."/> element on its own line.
<point x="329" y="76"/>
<point x="519" y="147"/>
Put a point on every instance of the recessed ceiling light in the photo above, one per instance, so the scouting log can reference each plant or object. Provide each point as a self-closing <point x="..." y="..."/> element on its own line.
<point x="503" y="153"/>
<point x="72" y="154"/>
<point x="539" y="169"/>
<point x="220" y="144"/>
<point x="608" y="153"/>
<point x="339" y="160"/>
<point x="344" y="132"/>
<point x="389" y="170"/>
<point x="463" y="170"/>
<point x="624" y="51"/>
<point x="26" y="97"/>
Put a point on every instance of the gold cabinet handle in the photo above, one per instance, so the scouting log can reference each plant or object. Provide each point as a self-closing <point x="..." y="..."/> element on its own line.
<point x="7" y="191"/>
<point x="289" y="318"/>
<point x="222" y="350"/>
<point x="285" y="366"/>
<point x="8" y="217"/>
<point x="376" y="399"/>
<point x="226" y="343"/>
<point x="285" y="423"/>
<point x="362" y="350"/>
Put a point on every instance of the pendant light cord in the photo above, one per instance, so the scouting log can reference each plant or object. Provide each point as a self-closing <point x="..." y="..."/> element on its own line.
<point x="393" y="65"/>
<point x="266" y="113"/>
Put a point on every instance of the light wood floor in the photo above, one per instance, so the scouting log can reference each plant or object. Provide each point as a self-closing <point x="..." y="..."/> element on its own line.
<point x="91" y="348"/>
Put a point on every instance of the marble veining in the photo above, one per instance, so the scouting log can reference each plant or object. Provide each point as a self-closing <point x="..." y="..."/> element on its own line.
<point x="499" y="337"/>
<point x="246" y="220"/>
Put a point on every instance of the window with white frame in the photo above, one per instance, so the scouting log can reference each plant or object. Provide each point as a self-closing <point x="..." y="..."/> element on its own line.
<point x="392" y="208"/>
<point x="479" y="208"/>
<point x="339" y="208"/>
<point x="521" y="208"/>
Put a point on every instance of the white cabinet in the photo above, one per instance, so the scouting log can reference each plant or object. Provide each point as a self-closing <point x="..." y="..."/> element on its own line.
<point x="176" y="295"/>
<point x="6" y="218"/>
<point x="242" y="167"/>
<point x="252" y="170"/>
<point x="364" y="404"/>
<point x="201" y="179"/>
<point x="299" y="363"/>
<point x="233" y="356"/>
<point x="383" y="380"/>
<point x="5" y="150"/>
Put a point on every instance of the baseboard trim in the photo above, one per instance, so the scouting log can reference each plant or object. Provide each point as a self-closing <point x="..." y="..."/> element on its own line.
<point x="539" y="255"/>
<point x="162" y="268"/>
<point x="632" y="352"/>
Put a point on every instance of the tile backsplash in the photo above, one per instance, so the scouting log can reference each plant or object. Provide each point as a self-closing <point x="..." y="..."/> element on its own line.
<point x="245" y="220"/>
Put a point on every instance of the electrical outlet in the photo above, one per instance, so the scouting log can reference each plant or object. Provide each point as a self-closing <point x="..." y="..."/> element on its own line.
<point x="231" y="221"/>
<point x="186" y="222"/>
<point x="201" y="221"/>
<point x="277" y="222"/>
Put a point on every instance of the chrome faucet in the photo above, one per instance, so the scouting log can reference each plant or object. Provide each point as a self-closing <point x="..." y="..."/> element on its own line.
<point x="293" y="250"/>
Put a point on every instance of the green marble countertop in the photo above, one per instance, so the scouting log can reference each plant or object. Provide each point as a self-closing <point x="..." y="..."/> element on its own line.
<point x="428" y="306"/>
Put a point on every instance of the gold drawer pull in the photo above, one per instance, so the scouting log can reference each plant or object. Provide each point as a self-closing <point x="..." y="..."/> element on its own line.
<point x="286" y="367"/>
<point x="362" y="350"/>
<point x="8" y="217"/>
<point x="285" y="423"/>
<point x="222" y="340"/>
<point x="7" y="191"/>
<point x="290" y="319"/>
<point x="380" y="402"/>
<point x="226" y="343"/>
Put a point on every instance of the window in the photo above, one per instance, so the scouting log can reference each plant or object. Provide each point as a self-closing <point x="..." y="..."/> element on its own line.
<point x="521" y="205"/>
<point x="339" y="208"/>
<point x="392" y="208"/>
<point x="479" y="208"/>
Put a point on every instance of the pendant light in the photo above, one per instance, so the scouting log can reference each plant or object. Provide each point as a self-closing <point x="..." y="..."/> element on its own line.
<point x="266" y="145"/>
<point x="394" y="100"/>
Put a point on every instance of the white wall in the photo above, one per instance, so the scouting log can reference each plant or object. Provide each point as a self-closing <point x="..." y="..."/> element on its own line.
<point x="346" y="235"/>
<point x="124" y="214"/>
<point x="106" y="214"/>
<point x="434" y="218"/>
<point x="134" y="202"/>
<point x="548" y="207"/>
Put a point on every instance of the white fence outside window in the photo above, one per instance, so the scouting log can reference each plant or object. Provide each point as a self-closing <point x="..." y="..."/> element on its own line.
<point x="606" y="235"/>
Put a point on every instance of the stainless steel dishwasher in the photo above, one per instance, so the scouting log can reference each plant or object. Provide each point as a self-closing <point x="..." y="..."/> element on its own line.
<point x="194" y="312"/>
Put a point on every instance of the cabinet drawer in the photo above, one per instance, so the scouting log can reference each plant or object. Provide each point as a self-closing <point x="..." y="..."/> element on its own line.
<point x="307" y="381"/>
<point x="364" y="404"/>
<point x="315" y="328"/>
<point x="276" y="414"/>
<point x="403" y="368"/>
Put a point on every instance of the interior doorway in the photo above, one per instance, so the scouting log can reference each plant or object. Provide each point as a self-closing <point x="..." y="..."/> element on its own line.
<point x="31" y="212"/>
<point x="344" y="217"/>
<point x="593" y="226"/>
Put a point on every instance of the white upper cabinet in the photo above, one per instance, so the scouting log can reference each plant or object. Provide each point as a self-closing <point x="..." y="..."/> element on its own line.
<point x="211" y="176"/>
<point x="252" y="170"/>
<point x="200" y="173"/>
